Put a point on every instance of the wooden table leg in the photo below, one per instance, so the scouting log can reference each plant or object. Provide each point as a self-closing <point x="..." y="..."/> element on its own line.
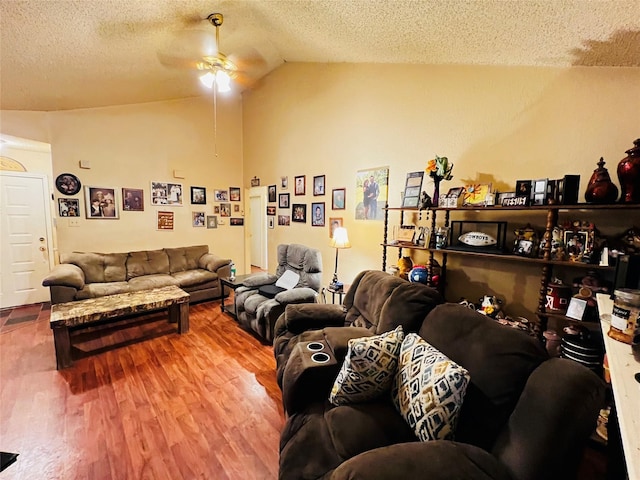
<point x="62" y="344"/>
<point x="183" y="318"/>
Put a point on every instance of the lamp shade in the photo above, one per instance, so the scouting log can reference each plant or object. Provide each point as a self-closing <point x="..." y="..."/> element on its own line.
<point x="340" y="238"/>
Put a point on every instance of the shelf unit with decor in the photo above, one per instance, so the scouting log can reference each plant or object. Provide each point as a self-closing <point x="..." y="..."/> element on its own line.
<point x="547" y="264"/>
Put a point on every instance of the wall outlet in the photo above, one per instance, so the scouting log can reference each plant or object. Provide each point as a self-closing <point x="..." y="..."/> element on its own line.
<point x="74" y="222"/>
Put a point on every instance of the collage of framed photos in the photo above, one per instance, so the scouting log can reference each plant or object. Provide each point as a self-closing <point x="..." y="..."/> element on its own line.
<point x="107" y="202"/>
<point x="286" y="210"/>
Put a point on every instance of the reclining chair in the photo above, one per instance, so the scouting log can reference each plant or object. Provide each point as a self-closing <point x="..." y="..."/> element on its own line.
<point x="258" y="305"/>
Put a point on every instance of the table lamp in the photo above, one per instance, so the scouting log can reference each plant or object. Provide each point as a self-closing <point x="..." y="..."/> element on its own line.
<point x="339" y="240"/>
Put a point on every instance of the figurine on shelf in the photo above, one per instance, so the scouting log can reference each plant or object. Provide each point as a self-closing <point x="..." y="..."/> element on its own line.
<point x="425" y="201"/>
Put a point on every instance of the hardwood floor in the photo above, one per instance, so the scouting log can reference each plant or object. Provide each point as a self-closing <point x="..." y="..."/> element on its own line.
<point x="140" y="401"/>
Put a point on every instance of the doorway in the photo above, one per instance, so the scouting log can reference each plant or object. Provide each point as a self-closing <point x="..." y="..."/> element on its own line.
<point x="258" y="227"/>
<point x="25" y="238"/>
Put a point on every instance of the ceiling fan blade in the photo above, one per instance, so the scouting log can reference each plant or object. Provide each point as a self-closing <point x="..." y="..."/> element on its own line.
<point x="192" y="43"/>
<point x="182" y="62"/>
<point x="249" y="61"/>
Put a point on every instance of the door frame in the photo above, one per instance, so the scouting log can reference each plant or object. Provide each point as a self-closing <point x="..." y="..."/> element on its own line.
<point x="253" y="192"/>
<point x="47" y="198"/>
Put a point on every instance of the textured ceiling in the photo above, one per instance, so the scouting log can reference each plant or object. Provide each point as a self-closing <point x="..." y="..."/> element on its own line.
<point x="68" y="54"/>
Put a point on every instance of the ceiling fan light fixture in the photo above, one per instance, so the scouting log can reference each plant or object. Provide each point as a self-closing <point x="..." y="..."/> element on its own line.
<point x="223" y="81"/>
<point x="208" y="79"/>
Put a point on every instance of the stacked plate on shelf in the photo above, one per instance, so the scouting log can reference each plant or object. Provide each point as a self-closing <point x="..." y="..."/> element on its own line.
<point x="585" y="348"/>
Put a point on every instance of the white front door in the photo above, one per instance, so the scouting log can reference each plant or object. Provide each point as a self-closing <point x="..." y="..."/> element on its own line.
<point x="25" y="226"/>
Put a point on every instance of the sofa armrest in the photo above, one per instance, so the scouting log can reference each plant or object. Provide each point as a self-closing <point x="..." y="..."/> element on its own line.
<point x="297" y="295"/>
<point x="311" y="316"/>
<point x="65" y="274"/>
<point x="435" y="460"/>
<point x="212" y="262"/>
<point x="553" y="419"/>
<point x="259" y="280"/>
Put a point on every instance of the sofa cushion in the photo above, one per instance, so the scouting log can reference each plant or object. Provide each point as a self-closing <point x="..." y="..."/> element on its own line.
<point x="99" y="267"/>
<point x="100" y="289"/>
<point x="428" y="389"/>
<point x="498" y="359"/>
<point x="361" y="427"/>
<point x="147" y="262"/>
<point x="194" y="277"/>
<point x="148" y="282"/>
<point x="368" y="369"/>
<point x="185" y="258"/>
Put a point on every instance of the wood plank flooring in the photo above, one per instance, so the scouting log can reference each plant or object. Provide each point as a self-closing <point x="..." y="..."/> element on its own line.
<point x="140" y="401"/>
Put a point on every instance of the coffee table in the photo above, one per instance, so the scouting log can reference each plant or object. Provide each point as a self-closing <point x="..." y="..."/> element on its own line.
<point x="84" y="313"/>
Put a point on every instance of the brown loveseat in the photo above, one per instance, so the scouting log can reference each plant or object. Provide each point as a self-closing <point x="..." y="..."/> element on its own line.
<point x="524" y="416"/>
<point x="83" y="275"/>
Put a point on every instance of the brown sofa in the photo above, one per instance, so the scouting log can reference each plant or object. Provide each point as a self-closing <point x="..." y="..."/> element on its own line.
<point x="524" y="416"/>
<point x="83" y="275"/>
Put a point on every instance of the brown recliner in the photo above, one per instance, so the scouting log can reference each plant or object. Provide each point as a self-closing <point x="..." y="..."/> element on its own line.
<point x="524" y="417"/>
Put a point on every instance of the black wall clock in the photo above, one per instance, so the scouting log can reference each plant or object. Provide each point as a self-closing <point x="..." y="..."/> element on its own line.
<point x="68" y="184"/>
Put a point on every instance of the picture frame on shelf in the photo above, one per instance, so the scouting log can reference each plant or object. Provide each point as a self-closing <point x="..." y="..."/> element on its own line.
<point x="338" y="196"/>
<point x="283" y="200"/>
<point x="405" y="235"/>
<point x="318" y="185"/>
<point x="100" y="202"/>
<point x="300" y="185"/>
<point x="578" y="244"/>
<point x="133" y="200"/>
<point x="454" y="197"/>
<point x="523" y="190"/>
<point x="198" y="196"/>
<point x="539" y="191"/>
<point x="476" y="194"/>
<point x="412" y="189"/>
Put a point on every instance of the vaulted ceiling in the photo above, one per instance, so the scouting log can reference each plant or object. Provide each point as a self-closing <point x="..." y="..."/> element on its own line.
<point x="69" y="54"/>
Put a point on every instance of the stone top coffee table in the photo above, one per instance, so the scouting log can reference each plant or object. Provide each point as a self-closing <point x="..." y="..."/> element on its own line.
<point x="84" y="313"/>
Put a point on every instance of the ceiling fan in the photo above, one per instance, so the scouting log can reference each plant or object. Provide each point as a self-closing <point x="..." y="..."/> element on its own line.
<point x="197" y="50"/>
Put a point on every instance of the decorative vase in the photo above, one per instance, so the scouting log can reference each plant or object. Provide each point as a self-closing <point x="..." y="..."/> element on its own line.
<point x="436" y="191"/>
<point x="629" y="175"/>
<point x="601" y="189"/>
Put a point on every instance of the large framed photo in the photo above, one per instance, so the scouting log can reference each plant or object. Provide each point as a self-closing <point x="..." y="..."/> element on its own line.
<point x="300" y="185"/>
<point x="100" y="202"/>
<point x="317" y="212"/>
<point x="318" y="185"/>
<point x="338" y="196"/>
<point x="133" y="199"/>
<point x="166" y="194"/>
<point x="372" y="187"/>
<point x="283" y="200"/>
<point x="300" y="212"/>
<point x="198" y="195"/>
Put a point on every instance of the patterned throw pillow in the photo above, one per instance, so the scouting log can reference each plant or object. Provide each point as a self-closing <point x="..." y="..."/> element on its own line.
<point x="368" y="369"/>
<point x="428" y="389"/>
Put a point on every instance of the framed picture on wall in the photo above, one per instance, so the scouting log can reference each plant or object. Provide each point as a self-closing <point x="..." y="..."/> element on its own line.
<point x="283" y="200"/>
<point x="317" y="214"/>
<point x="221" y="195"/>
<point x="68" y="184"/>
<point x="167" y="194"/>
<point x="334" y="222"/>
<point x="68" y="207"/>
<point x="198" y="219"/>
<point x="272" y="194"/>
<point x="271" y="222"/>
<point x="198" y="195"/>
<point x="212" y="221"/>
<point x="271" y="210"/>
<point x="300" y="212"/>
<point x="318" y="185"/>
<point x="100" y="202"/>
<point x="234" y="194"/>
<point x="164" y="220"/>
<point x="338" y="198"/>
<point x="132" y="200"/>
<point x="300" y="185"/>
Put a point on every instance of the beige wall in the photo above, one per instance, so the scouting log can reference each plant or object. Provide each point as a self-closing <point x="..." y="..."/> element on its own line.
<point x="130" y="146"/>
<point x="497" y="124"/>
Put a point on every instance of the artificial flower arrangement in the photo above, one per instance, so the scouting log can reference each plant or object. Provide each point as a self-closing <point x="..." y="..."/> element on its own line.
<point x="440" y="168"/>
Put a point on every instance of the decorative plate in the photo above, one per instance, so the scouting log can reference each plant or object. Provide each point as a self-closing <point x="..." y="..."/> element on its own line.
<point x="68" y="184"/>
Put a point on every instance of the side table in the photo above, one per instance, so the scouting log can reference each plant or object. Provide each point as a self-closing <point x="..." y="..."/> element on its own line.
<point x="233" y="285"/>
<point x="339" y="293"/>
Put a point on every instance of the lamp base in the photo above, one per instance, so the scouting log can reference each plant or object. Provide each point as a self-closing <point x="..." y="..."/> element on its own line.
<point x="336" y="286"/>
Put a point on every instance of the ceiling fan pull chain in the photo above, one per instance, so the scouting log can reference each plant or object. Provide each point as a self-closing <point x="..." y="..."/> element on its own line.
<point x="215" y="122"/>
